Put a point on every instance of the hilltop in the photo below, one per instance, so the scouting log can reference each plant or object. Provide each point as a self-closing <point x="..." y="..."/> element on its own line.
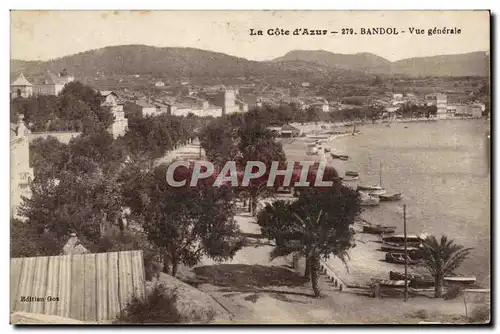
<point x="167" y="62"/>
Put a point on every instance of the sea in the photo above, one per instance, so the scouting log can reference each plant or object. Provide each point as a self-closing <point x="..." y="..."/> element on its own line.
<point x="441" y="168"/>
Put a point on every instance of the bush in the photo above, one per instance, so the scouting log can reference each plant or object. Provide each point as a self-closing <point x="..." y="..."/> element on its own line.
<point x="156" y="308"/>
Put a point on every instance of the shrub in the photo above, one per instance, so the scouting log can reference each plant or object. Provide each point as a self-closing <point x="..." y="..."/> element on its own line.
<point x="156" y="308"/>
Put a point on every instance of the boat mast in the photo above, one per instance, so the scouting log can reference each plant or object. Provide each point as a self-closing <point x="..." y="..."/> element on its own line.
<point x="406" y="253"/>
<point x="380" y="176"/>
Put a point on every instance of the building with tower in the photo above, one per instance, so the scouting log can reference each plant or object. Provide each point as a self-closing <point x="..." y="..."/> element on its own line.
<point x="21" y="87"/>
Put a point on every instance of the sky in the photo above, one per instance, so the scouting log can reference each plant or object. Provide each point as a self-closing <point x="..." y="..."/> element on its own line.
<point x="44" y="35"/>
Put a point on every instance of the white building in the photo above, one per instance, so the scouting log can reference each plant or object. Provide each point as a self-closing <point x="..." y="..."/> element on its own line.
<point x="143" y="106"/>
<point x="120" y="124"/>
<point x="441" y="103"/>
<point x="230" y="106"/>
<point x="20" y="172"/>
<point x="53" y="84"/>
<point x="160" y="84"/>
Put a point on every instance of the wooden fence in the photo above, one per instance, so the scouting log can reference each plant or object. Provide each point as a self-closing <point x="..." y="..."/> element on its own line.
<point x="88" y="287"/>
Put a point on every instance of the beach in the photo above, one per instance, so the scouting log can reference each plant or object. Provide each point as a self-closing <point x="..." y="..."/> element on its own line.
<point x="441" y="170"/>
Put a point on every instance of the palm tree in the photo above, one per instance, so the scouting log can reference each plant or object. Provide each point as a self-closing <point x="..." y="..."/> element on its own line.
<point x="303" y="236"/>
<point x="442" y="258"/>
<point x="312" y="239"/>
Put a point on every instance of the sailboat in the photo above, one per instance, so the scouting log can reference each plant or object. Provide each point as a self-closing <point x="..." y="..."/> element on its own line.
<point x="375" y="189"/>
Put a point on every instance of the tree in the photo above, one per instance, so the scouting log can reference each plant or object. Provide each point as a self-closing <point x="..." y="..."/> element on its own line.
<point x="28" y="241"/>
<point x="257" y="143"/>
<point x="83" y="93"/>
<point x="82" y="203"/>
<point x="186" y="223"/>
<point x="442" y="258"/>
<point x="48" y="157"/>
<point x="316" y="226"/>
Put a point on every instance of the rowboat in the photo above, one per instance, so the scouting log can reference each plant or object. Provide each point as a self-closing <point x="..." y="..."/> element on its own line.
<point x="351" y="173"/>
<point x="399" y="258"/>
<point x="390" y="198"/>
<point x="339" y="156"/>
<point x="390" y="247"/>
<point x="377" y="193"/>
<point x="411" y="239"/>
<point x="416" y="281"/>
<point x="369" y="188"/>
<point x="378" y="229"/>
<point x="459" y="280"/>
<point x="350" y="178"/>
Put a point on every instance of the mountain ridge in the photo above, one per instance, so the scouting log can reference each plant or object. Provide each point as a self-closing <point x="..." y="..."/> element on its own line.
<point x="465" y="64"/>
<point x="188" y="61"/>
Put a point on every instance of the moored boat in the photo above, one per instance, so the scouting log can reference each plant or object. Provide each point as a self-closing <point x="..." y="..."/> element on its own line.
<point x="370" y="188"/>
<point x="378" y="229"/>
<point x="374" y="189"/>
<point x="351" y="173"/>
<point x="411" y="239"/>
<point x="350" y="178"/>
<point x="465" y="280"/>
<point x="416" y="281"/>
<point x="399" y="258"/>
<point x="390" y="197"/>
<point x="377" y="193"/>
<point x="390" y="247"/>
<point x="339" y="156"/>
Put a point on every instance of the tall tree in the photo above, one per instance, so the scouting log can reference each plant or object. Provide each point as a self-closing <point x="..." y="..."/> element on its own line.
<point x="186" y="223"/>
<point x="257" y="143"/>
<point x="442" y="258"/>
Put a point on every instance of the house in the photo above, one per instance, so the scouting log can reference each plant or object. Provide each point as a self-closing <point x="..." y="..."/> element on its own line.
<point x="476" y="110"/>
<point x="289" y="131"/>
<point x="110" y="97"/>
<point x="53" y="84"/>
<point x="20" y="171"/>
<point x="390" y="112"/>
<point x="441" y="103"/>
<point x="323" y="106"/>
<point x="141" y="106"/>
<point x="163" y="108"/>
<point x="120" y="123"/>
<point x="21" y="87"/>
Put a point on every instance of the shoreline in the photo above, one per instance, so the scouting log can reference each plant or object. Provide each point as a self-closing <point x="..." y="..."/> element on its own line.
<point x="366" y="260"/>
